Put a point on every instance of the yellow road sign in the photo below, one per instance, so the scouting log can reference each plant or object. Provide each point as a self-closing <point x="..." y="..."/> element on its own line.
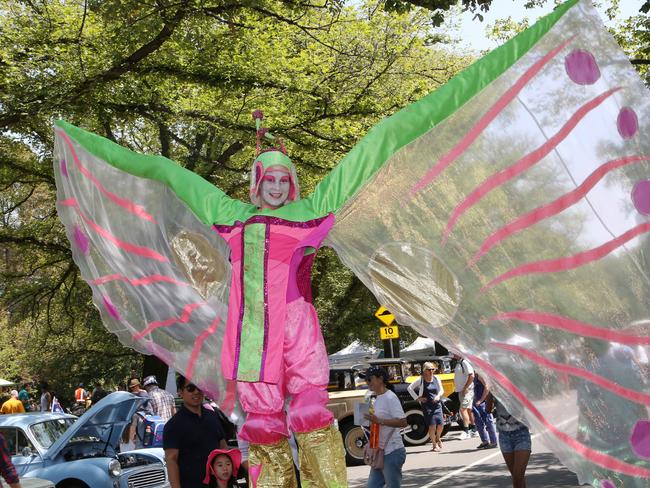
<point x="384" y="315"/>
<point x="389" y="332"/>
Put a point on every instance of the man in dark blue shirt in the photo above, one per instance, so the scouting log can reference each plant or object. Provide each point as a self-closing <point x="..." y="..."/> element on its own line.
<point x="189" y="436"/>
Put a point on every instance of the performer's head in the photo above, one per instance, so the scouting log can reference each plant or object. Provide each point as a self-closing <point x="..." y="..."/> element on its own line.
<point x="273" y="176"/>
<point x="222" y="467"/>
<point x="273" y="180"/>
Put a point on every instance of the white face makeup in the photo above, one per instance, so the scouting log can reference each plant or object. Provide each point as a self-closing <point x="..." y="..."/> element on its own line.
<point x="274" y="188"/>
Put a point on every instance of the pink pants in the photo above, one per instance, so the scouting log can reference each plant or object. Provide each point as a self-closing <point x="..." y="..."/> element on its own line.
<point x="305" y="378"/>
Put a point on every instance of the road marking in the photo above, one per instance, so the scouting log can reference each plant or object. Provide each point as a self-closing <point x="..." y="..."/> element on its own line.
<point x="479" y="461"/>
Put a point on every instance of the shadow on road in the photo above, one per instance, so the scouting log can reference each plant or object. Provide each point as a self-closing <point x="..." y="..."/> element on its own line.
<point x="544" y="471"/>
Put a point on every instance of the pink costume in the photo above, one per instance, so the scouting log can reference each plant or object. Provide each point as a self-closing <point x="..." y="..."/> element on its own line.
<point x="270" y="316"/>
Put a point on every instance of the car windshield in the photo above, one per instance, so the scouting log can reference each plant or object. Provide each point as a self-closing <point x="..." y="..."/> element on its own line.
<point x="46" y="433"/>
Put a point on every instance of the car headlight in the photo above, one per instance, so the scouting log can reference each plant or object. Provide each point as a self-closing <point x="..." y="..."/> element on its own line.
<point x="114" y="468"/>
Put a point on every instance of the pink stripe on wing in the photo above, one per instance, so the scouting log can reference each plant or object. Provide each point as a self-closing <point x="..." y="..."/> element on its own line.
<point x="572" y="326"/>
<point x="128" y="205"/>
<point x="183" y="319"/>
<point x="199" y="343"/>
<point x="555" y="207"/>
<point x="604" y="460"/>
<point x="484" y="121"/>
<point x="524" y="163"/>
<point x="570" y="262"/>
<point x="633" y="395"/>
<point x="160" y="352"/>
<point x="146" y="280"/>
<point x="127" y="246"/>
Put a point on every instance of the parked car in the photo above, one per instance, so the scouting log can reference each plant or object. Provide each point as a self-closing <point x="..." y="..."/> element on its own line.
<point x="36" y="483"/>
<point x="346" y="378"/>
<point x="83" y="452"/>
<point x="401" y="372"/>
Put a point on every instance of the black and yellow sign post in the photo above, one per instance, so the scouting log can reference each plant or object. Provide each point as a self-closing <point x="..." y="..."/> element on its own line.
<point x="389" y="333"/>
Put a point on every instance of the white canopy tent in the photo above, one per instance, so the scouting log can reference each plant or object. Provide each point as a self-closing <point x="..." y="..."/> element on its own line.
<point x="421" y="344"/>
<point x="6" y="383"/>
<point x="355" y="347"/>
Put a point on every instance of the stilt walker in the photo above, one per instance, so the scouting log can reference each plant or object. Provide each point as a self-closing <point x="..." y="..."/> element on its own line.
<point x="506" y="215"/>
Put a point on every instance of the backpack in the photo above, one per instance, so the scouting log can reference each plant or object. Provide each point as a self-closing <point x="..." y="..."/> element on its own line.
<point x="150" y="430"/>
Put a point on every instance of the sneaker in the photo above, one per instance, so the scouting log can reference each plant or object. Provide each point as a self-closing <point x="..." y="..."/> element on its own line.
<point x="464" y="435"/>
<point x="483" y="445"/>
<point x="473" y="433"/>
<point x="491" y="446"/>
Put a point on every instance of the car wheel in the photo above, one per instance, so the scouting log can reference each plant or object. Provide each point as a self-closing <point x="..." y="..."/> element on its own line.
<point x="354" y="442"/>
<point x="419" y="433"/>
<point x="72" y="484"/>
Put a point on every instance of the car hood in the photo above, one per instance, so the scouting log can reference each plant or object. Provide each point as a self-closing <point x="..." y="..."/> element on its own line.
<point x="104" y="422"/>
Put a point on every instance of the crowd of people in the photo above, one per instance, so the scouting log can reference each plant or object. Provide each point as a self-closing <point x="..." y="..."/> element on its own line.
<point x="481" y="415"/>
<point x="195" y="439"/>
<point x="197" y="453"/>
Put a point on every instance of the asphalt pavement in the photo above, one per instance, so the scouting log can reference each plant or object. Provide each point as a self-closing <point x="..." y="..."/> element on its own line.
<point x="460" y="464"/>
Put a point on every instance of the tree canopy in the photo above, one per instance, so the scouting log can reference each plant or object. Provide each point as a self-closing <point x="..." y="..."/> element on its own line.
<point x="181" y="79"/>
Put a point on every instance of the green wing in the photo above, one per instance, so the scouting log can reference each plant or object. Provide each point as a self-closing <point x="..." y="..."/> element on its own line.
<point x="358" y="167"/>
<point x="207" y="202"/>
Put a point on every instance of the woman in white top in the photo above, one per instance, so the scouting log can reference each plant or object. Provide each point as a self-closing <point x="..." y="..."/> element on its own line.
<point x="427" y="390"/>
<point x="389" y="415"/>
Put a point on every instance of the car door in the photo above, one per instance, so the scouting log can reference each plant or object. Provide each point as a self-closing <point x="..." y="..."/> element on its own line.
<point x="24" y="455"/>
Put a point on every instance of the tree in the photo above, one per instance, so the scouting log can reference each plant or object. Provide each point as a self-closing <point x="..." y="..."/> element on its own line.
<point x="181" y="79"/>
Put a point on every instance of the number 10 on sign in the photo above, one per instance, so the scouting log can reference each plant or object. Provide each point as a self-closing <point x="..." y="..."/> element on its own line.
<point x="389" y="332"/>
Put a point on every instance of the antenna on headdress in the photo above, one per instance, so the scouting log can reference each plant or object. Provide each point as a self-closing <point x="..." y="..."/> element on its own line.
<point x="262" y="132"/>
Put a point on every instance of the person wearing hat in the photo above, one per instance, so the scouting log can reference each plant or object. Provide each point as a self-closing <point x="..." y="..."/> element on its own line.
<point x="389" y="415"/>
<point x="162" y="402"/>
<point x="134" y="387"/>
<point x="273" y="346"/>
<point x="221" y="468"/>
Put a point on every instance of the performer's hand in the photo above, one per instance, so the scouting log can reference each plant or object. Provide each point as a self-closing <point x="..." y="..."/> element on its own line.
<point x="422" y="400"/>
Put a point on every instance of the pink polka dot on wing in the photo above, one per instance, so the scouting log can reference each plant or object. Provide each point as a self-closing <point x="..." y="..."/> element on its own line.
<point x="606" y="484"/>
<point x="627" y="123"/>
<point x="641" y="196"/>
<point x="640" y="439"/>
<point x="581" y="67"/>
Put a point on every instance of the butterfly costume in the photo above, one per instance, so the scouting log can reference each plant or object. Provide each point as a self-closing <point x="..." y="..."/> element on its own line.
<point x="506" y="215"/>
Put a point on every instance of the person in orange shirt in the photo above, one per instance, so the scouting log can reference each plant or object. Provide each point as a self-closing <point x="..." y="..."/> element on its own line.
<point x="81" y="395"/>
<point x="13" y="405"/>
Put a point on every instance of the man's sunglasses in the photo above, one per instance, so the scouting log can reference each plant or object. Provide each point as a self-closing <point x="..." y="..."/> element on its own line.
<point x="191" y="388"/>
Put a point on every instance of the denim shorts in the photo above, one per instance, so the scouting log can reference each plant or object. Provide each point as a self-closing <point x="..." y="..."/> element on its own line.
<point x="516" y="440"/>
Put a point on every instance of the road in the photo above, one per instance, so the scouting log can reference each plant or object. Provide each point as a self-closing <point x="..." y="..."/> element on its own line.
<point x="461" y="465"/>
